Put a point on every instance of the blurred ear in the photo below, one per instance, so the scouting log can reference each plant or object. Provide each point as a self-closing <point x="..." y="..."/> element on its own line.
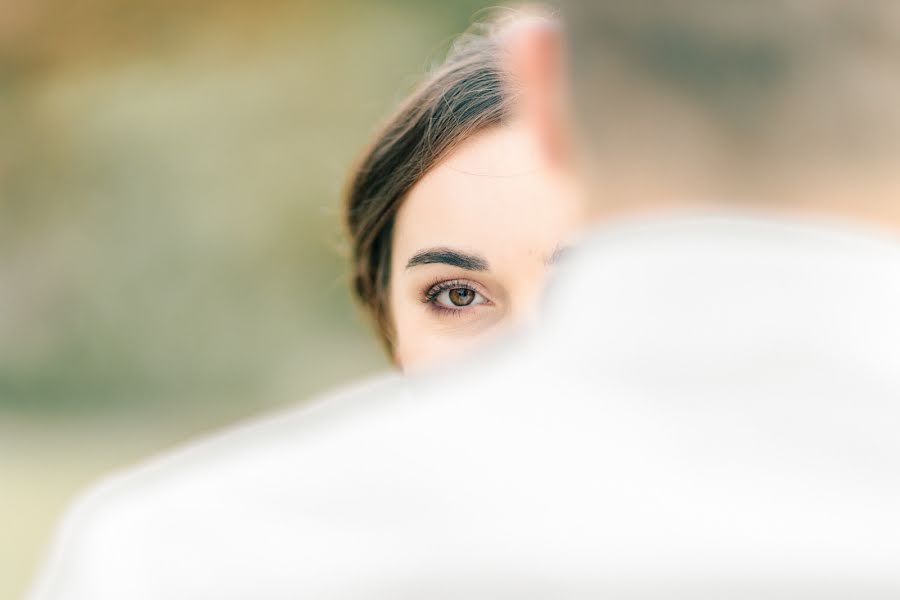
<point x="536" y="64"/>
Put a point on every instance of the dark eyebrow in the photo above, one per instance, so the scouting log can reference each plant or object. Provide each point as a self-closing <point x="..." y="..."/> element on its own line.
<point x="448" y="256"/>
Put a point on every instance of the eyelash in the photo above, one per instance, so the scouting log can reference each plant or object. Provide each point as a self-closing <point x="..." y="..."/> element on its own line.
<point x="435" y="289"/>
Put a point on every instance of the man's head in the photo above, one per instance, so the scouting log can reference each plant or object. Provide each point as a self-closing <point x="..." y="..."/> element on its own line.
<point x="667" y="102"/>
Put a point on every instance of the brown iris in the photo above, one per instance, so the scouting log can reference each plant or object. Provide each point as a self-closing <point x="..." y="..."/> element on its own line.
<point x="461" y="296"/>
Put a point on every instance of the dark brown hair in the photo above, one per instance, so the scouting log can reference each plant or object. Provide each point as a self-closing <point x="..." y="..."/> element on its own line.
<point x="465" y="95"/>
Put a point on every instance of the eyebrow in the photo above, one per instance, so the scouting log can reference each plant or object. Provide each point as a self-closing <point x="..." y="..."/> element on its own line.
<point x="558" y="254"/>
<point x="448" y="256"/>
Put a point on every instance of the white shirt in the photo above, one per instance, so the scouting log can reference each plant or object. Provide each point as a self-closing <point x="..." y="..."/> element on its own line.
<point x="709" y="410"/>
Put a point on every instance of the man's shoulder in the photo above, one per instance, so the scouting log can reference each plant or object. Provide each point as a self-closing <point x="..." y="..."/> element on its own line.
<point x="243" y="450"/>
<point x="207" y="485"/>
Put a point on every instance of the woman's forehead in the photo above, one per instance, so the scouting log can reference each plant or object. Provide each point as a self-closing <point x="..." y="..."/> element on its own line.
<point x="498" y="152"/>
<point x="491" y="193"/>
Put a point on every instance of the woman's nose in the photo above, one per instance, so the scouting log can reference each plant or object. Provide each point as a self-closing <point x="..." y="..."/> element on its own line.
<point x="526" y="306"/>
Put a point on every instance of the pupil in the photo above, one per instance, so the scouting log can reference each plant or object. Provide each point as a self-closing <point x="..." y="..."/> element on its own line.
<point x="461" y="296"/>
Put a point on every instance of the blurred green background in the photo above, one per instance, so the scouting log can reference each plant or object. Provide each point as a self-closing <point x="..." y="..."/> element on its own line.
<point x="170" y="248"/>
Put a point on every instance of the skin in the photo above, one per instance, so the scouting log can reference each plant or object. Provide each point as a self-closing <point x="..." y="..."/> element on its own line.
<point x="474" y="242"/>
<point x="683" y="165"/>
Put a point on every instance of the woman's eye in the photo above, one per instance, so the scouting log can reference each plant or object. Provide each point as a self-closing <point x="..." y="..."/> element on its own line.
<point x="456" y="298"/>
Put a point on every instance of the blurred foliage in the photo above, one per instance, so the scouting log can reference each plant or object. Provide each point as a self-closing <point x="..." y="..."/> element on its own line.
<point x="170" y="178"/>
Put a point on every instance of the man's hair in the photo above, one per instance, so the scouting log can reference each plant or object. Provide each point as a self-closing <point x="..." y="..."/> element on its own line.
<point x="758" y="80"/>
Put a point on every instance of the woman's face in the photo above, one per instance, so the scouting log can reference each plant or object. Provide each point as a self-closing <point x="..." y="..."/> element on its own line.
<point x="473" y="242"/>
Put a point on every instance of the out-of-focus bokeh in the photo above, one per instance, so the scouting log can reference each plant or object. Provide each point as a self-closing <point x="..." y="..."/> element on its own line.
<point x="170" y="178"/>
